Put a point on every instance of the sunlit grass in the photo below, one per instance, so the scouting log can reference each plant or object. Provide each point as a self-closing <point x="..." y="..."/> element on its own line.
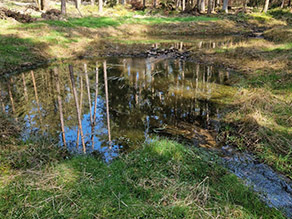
<point x="98" y="22"/>
<point x="160" y="179"/>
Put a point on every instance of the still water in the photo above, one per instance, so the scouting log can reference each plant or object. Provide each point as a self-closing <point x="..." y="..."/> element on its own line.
<point x="114" y="105"/>
<point x="121" y="101"/>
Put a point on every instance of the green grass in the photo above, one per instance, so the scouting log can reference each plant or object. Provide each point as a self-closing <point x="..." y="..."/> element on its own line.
<point x="161" y="179"/>
<point x="98" y="22"/>
<point x="15" y="51"/>
<point x="281" y="14"/>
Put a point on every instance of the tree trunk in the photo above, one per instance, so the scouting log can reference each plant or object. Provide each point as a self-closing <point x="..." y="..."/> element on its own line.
<point x="107" y="104"/>
<point x="244" y="5"/>
<point x="92" y="2"/>
<point x="11" y="96"/>
<point x="38" y="3"/>
<point x="154" y="3"/>
<point x="95" y="105"/>
<point x="144" y="3"/>
<point x="36" y="96"/>
<point x="80" y="108"/>
<point x="88" y="92"/>
<point x="289" y="3"/>
<point x="266" y="6"/>
<point x="25" y="95"/>
<point x="199" y="5"/>
<point x="177" y="4"/>
<point x="202" y="8"/>
<point x="60" y="106"/>
<point x="77" y="106"/>
<point x="2" y="101"/>
<point x="44" y="5"/>
<point x="283" y="4"/>
<point x="217" y="3"/>
<point x="100" y="6"/>
<point x="225" y="6"/>
<point x="63" y="7"/>
<point x="77" y="4"/>
<point x="183" y="5"/>
<point x="210" y="6"/>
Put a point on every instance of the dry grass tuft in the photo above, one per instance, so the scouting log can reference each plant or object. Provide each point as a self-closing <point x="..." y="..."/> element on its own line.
<point x="280" y="34"/>
<point x="255" y="98"/>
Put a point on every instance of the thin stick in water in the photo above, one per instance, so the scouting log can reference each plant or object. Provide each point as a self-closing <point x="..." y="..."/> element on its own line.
<point x="60" y="106"/>
<point x="95" y="104"/>
<point x="107" y="105"/>
<point x="81" y="102"/>
<point x="36" y="95"/>
<point x="77" y="106"/>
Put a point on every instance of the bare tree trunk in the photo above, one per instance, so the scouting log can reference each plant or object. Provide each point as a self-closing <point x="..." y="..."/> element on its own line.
<point x="154" y="3"/>
<point x="38" y="3"/>
<point x="210" y="6"/>
<point x="80" y="107"/>
<point x="44" y="5"/>
<point x="183" y="5"/>
<point x="11" y="97"/>
<point x="60" y="106"/>
<point x="225" y="6"/>
<point x="289" y="3"/>
<point x="217" y="3"/>
<point x="88" y="92"/>
<point x="198" y="4"/>
<point x="144" y="3"/>
<point x="36" y="95"/>
<point x="25" y="95"/>
<point x="283" y="4"/>
<point x="77" y="106"/>
<point x="77" y="5"/>
<point x="266" y="6"/>
<point x="89" y="101"/>
<point x="63" y="7"/>
<point x="107" y="104"/>
<point x="177" y="3"/>
<point x="202" y="8"/>
<point x="100" y="6"/>
<point x="95" y="104"/>
<point x="92" y="2"/>
<point x="2" y="101"/>
<point x="244" y="5"/>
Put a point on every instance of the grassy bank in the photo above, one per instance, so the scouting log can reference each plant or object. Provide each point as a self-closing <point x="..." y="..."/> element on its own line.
<point x="24" y="45"/>
<point x="259" y="116"/>
<point x="160" y="179"/>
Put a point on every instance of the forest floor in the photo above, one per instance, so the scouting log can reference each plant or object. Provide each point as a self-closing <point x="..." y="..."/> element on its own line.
<point x="258" y="119"/>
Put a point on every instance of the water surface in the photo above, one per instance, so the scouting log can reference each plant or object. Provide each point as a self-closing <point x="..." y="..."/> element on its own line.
<point x="145" y="95"/>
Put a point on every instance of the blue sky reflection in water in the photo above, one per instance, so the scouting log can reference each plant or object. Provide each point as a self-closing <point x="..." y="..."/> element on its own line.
<point x="146" y="96"/>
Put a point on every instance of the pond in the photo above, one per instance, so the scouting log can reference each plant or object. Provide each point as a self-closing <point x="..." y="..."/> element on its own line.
<point x="113" y="105"/>
<point x="142" y="96"/>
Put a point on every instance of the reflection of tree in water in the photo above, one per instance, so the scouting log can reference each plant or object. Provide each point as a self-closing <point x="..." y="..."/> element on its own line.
<point x="165" y="92"/>
<point x="141" y="93"/>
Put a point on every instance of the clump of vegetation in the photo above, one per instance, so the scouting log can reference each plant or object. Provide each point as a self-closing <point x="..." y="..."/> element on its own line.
<point x="160" y="179"/>
<point x="280" y="34"/>
<point x="17" y="155"/>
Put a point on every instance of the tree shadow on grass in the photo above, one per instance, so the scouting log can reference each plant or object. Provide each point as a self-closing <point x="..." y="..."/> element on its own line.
<point x="17" y="53"/>
<point x="282" y="14"/>
<point x="90" y="22"/>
